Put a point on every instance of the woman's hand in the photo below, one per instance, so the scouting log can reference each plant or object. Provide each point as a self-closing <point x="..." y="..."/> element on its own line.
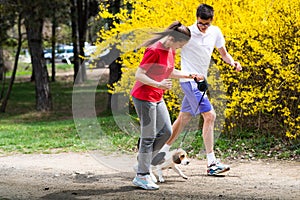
<point x="165" y="84"/>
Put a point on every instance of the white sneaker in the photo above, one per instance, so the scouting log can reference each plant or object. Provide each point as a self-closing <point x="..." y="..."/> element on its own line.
<point x="145" y="182"/>
<point x="153" y="178"/>
<point x="216" y="168"/>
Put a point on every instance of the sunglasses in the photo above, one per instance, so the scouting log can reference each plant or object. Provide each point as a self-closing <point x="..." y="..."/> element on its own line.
<point x="202" y="24"/>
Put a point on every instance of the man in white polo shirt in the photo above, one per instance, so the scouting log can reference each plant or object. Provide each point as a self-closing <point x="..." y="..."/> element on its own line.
<point x="195" y="59"/>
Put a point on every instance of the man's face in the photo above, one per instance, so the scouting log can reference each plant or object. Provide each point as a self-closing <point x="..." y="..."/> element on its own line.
<point x="203" y="24"/>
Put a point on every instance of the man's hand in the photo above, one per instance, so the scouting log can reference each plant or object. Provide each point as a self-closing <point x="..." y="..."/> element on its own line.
<point x="237" y="66"/>
<point x="198" y="77"/>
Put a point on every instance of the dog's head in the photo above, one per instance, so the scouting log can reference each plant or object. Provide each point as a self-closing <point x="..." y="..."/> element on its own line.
<point x="180" y="157"/>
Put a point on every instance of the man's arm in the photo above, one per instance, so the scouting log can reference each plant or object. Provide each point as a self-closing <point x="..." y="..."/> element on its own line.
<point x="228" y="59"/>
<point x="180" y="74"/>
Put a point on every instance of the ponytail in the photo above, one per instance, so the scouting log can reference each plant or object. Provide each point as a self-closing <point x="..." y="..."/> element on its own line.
<point x="176" y="30"/>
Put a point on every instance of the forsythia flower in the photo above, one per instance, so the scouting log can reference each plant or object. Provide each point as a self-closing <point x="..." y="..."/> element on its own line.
<point x="263" y="35"/>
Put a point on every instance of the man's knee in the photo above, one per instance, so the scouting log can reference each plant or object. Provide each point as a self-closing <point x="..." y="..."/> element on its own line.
<point x="184" y="117"/>
<point x="209" y="116"/>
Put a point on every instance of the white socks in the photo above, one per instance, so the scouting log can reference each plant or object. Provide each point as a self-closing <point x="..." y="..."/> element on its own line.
<point x="166" y="147"/>
<point x="210" y="158"/>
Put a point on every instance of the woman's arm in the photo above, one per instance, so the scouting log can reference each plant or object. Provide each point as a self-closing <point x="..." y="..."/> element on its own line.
<point x="141" y="76"/>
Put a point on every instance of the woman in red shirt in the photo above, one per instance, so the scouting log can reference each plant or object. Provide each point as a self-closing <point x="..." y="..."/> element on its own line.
<point x="152" y="79"/>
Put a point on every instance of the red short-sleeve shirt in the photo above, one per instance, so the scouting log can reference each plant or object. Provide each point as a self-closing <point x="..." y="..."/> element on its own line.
<point x="159" y="64"/>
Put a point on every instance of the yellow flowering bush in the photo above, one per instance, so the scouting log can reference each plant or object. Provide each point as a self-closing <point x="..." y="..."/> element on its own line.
<point x="264" y="36"/>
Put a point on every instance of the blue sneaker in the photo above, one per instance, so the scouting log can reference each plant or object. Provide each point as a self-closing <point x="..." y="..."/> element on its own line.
<point x="145" y="182"/>
<point x="216" y="168"/>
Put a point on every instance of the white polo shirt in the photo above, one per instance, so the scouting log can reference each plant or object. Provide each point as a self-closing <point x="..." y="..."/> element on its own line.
<point x="196" y="54"/>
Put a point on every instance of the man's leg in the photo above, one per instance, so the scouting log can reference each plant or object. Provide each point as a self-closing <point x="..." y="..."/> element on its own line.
<point x="214" y="167"/>
<point x="208" y="130"/>
<point x="189" y="107"/>
<point x="178" y="126"/>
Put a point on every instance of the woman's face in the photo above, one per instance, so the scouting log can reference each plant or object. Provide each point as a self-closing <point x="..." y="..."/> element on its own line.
<point x="178" y="44"/>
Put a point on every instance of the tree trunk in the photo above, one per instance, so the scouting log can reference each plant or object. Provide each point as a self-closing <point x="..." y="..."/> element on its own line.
<point x="5" y="100"/>
<point x="2" y="73"/>
<point x="77" y="75"/>
<point x="53" y="43"/>
<point x="34" y="26"/>
<point x="114" y="66"/>
<point x="83" y="13"/>
<point x="115" y="74"/>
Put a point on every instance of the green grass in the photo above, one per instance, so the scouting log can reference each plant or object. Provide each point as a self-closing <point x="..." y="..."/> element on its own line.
<point x="25" y="69"/>
<point x="45" y="137"/>
<point x="245" y="145"/>
<point x="24" y="130"/>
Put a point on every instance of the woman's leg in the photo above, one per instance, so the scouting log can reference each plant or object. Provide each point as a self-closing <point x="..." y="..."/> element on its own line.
<point x="147" y="114"/>
<point x="163" y="127"/>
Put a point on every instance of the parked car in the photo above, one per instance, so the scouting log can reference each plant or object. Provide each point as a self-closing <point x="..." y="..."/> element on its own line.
<point x="48" y="55"/>
<point x="62" y="53"/>
<point x="65" y="53"/>
<point x="88" y="50"/>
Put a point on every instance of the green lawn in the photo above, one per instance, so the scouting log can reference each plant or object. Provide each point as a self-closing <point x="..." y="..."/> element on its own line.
<point x="24" y="130"/>
<point x="25" y="69"/>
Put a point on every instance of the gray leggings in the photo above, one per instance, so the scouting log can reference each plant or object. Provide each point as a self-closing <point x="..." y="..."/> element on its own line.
<point x="156" y="129"/>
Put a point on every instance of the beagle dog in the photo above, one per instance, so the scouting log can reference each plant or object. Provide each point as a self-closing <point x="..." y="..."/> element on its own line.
<point x="168" y="159"/>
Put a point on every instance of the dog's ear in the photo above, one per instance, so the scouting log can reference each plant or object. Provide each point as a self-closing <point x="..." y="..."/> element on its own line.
<point x="176" y="158"/>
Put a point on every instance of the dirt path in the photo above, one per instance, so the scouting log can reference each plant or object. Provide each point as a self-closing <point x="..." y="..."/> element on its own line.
<point x="82" y="176"/>
<point x="94" y="176"/>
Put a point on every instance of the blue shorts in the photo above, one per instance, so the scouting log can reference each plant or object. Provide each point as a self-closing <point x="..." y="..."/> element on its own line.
<point x="192" y="96"/>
